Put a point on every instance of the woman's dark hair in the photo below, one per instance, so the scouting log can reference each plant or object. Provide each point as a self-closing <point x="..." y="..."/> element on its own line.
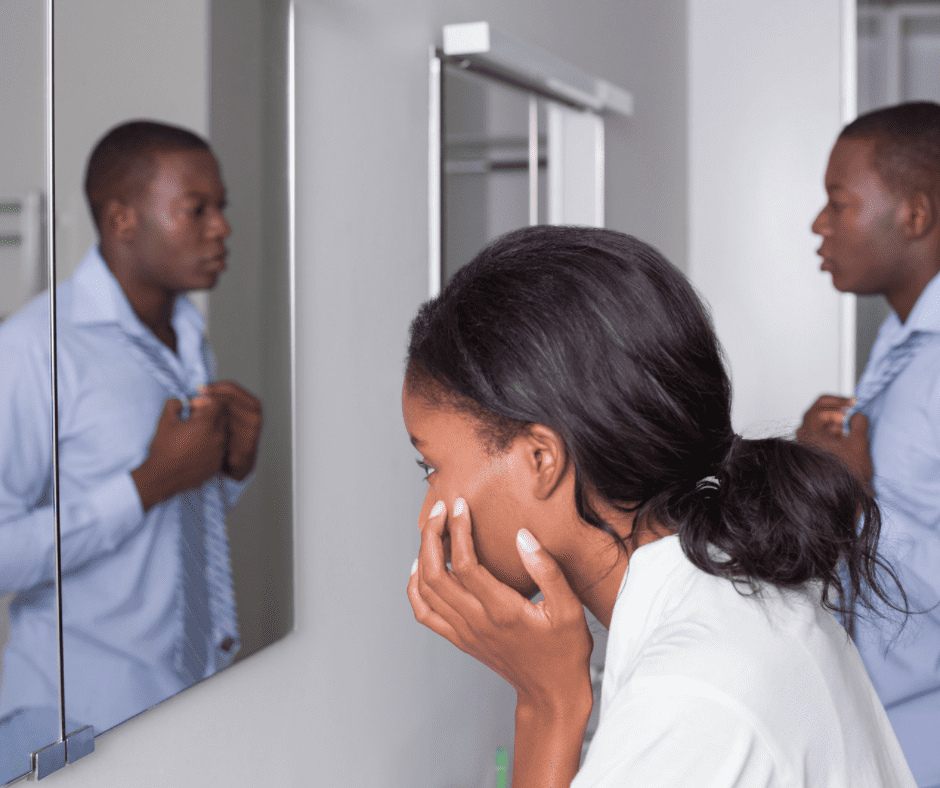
<point x="596" y="335"/>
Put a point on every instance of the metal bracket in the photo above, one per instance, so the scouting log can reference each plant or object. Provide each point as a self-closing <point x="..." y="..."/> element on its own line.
<point x="80" y="743"/>
<point x="47" y="760"/>
<point x="54" y="757"/>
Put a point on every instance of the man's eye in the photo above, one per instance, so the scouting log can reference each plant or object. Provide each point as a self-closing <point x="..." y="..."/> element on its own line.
<point x="428" y="470"/>
<point x="199" y="210"/>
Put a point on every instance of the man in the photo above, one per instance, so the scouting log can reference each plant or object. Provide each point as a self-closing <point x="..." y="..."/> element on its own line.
<point x="881" y="234"/>
<point x="152" y="453"/>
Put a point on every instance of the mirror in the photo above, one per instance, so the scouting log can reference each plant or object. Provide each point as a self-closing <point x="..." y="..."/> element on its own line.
<point x="29" y="709"/>
<point x="517" y="139"/>
<point x="125" y="629"/>
<point x="486" y="151"/>
<point x="898" y="60"/>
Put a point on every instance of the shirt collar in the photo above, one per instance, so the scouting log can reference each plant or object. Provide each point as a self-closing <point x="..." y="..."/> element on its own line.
<point x="925" y="316"/>
<point x="98" y="298"/>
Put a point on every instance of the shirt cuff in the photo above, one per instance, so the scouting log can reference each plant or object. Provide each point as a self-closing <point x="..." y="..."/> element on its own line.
<point x="116" y="503"/>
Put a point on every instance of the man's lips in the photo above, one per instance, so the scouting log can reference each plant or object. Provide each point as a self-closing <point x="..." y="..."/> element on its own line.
<point x="216" y="264"/>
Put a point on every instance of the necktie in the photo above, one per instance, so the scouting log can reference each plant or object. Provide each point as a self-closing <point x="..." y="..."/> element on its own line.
<point x="205" y="595"/>
<point x="875" y="381"/>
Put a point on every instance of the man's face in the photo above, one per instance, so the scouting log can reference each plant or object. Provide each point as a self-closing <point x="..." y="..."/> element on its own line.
<point x="180" y="243"/>
<point x="862" y="243"/>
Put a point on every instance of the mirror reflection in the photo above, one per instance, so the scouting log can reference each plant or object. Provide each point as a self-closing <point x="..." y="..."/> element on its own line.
<point x="514" y="153"/>
<point x="486" y="139"/>
<point x="173" y="288"/>
<point x="29" y="708"/>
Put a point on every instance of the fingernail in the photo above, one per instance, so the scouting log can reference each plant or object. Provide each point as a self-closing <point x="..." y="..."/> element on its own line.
<point x="438" y="509"/>
<point x="526" y="541"/>
<point x="460" y="506"/>
<point x="414" y="566"/>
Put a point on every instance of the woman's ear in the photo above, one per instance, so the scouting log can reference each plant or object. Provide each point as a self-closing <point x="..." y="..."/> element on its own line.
<point x="547" y="459"/>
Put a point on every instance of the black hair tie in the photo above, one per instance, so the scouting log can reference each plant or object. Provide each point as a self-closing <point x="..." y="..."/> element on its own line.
<point x="712" y="484"/>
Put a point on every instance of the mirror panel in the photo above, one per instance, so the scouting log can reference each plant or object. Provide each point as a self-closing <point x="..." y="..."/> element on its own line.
<point x="486" y="126"/>
<point x="121" y="574"/>
<point x="132" y="580"/>
<point x="29" y="645"/>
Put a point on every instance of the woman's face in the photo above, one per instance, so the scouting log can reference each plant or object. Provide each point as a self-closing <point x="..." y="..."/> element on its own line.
<point x="497" y="488"/>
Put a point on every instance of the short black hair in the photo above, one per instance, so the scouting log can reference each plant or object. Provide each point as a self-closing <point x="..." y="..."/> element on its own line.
<point x="123" y="162"/>
<point x="595" y="335"/>
<point x="906" y="137"/>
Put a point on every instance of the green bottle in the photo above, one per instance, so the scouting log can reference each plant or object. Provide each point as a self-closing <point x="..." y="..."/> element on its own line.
<point x="502" y="764"/>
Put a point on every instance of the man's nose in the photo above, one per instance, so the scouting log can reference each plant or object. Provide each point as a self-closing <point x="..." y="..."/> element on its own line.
<point x="220" y="228"/>
<point x="819" y="225"/>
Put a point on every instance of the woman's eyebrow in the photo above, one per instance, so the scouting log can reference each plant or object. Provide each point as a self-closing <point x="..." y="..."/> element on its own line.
<point x="414" y="440"/>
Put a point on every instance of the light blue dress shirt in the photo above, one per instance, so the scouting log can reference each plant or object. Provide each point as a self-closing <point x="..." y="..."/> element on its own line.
<point x="121" y="621"/>
<point x="904" y="438"/>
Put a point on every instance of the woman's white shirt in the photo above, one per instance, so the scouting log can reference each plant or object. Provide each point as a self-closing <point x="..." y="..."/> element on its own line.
<point x="708" y="687"/>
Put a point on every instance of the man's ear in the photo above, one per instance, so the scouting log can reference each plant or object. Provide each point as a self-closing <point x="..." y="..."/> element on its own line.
<point x="119" y="221"/>
<point x="920" y="215"/>
<point x="547" y="458"/>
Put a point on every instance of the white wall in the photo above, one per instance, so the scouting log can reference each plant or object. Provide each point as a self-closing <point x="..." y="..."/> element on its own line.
<point x="764" y="111"/>
<point x="360" y="695"/>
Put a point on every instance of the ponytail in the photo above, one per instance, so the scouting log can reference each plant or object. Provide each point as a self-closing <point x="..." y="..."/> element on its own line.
<point x="786" y="514"/>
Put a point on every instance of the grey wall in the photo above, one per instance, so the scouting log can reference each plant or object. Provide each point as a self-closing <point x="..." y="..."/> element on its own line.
<point x="359" y="694"/>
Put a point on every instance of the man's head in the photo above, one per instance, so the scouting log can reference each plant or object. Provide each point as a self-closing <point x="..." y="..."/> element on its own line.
<point x="124" y="161"/>
<point x="157" y="198"/>
<point x="880" y="225"/>
<point x="905" y="145"/>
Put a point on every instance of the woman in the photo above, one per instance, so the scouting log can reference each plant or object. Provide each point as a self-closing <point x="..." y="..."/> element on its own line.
<point x="567" y="395"/>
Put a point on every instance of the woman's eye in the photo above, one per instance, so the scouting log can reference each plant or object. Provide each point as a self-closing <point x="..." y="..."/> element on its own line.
<point x="428" y="470"/>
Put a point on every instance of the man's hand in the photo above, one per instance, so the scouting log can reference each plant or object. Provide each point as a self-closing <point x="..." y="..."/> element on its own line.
<point x="823" y="427"/>
<point x="244" y="425"/>
<point x="183" y="453"/>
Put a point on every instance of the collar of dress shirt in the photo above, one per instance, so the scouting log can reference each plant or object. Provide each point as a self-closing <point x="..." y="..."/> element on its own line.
<point x="924" y="317"/>
<point x="98" y="298"/>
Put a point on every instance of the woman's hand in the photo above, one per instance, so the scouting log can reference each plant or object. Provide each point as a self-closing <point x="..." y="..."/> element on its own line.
<point x="543" y="650"/>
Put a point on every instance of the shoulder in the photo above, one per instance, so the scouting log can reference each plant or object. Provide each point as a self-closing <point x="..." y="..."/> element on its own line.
<point x="28" y="325"/>
<point x="726" y="688"/>
<point x="770" y="669"/>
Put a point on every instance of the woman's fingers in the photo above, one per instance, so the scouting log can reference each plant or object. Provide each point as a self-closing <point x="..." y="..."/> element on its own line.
<point x="489" y="596"/>
<point x="437" y="586"/>
<point x="424" y="614"/>
<point x="547" y="574"/>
